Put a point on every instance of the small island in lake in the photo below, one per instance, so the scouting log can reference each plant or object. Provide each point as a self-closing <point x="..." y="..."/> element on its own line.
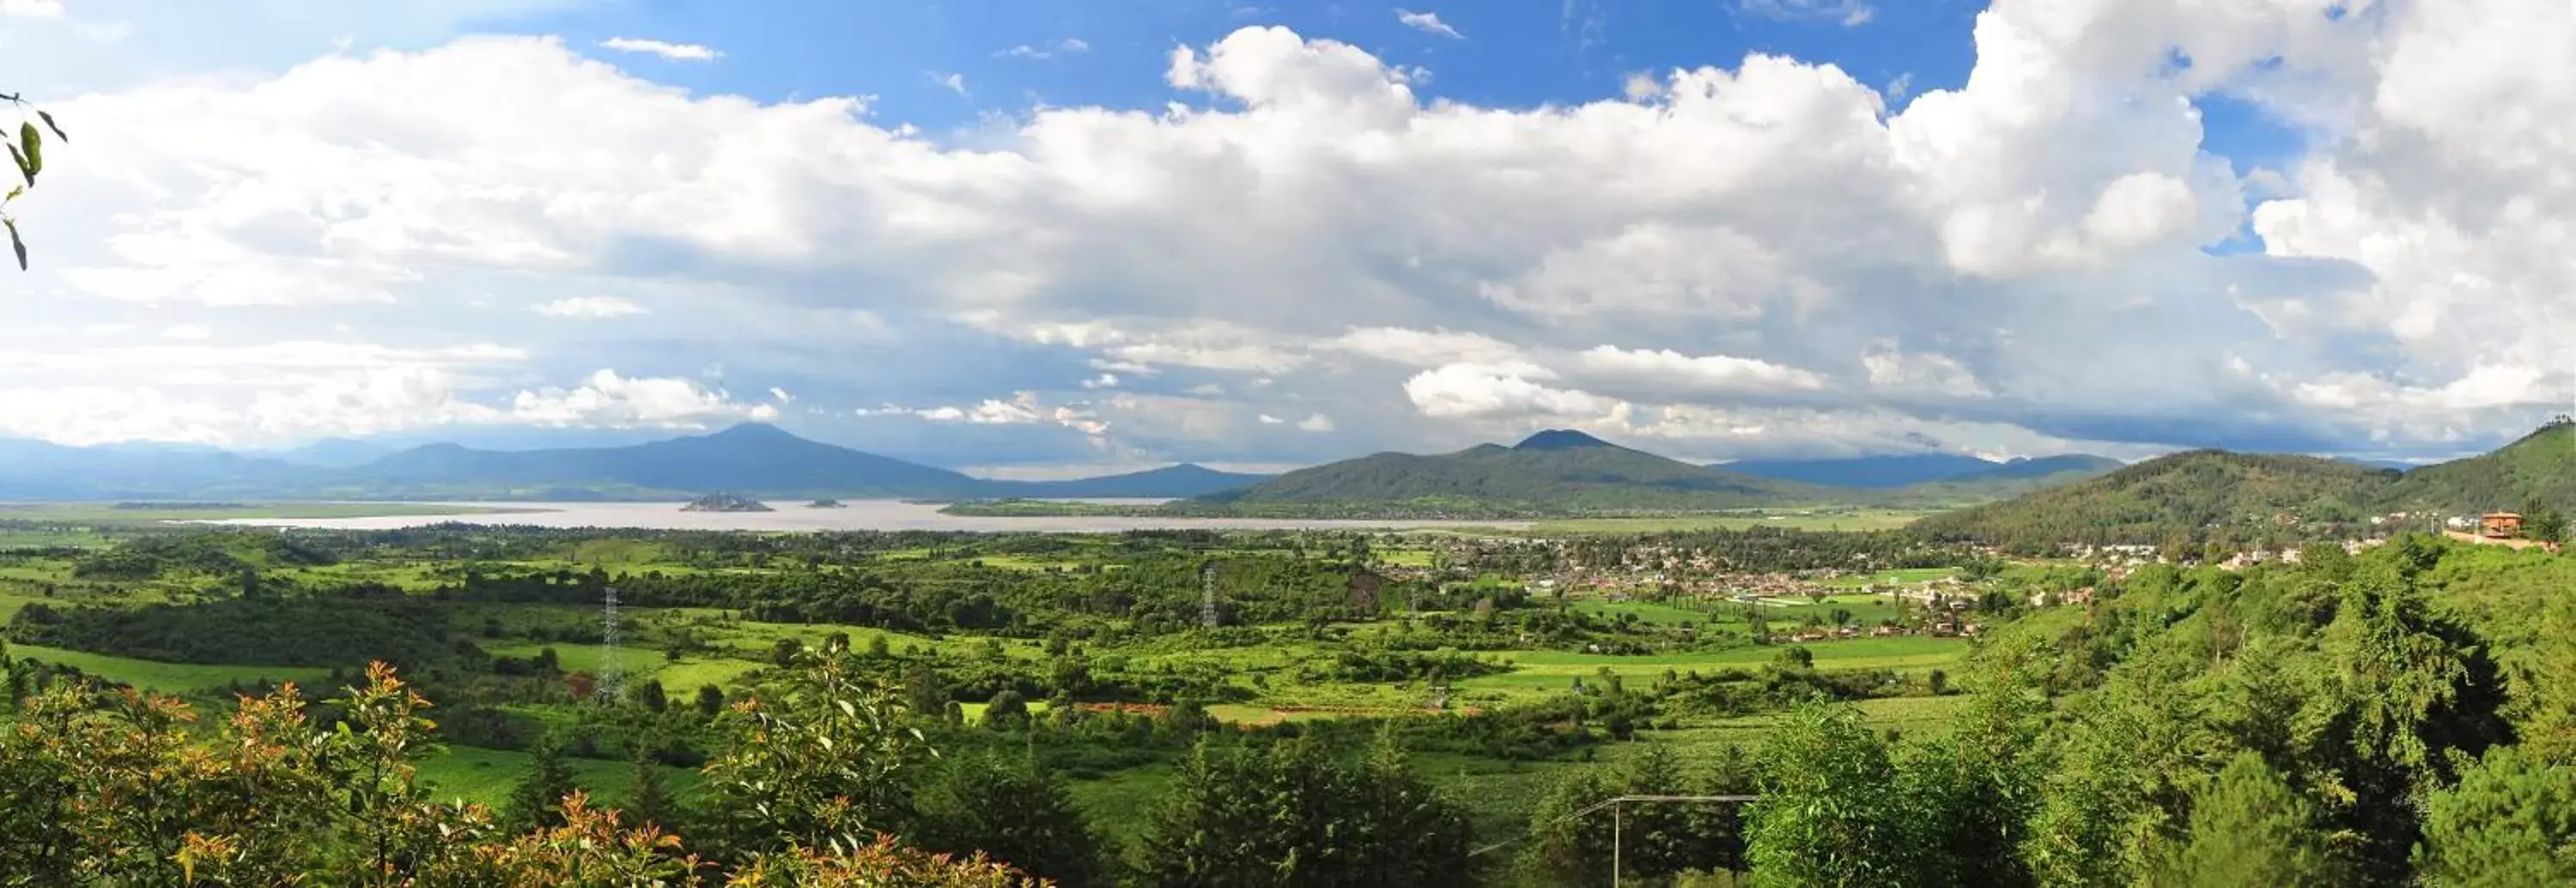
<point x="826" y="503"/>
<point x="725" y="502"/>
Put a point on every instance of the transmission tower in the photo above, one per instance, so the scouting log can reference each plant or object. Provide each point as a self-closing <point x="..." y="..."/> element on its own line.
<point x="1207" y="595"/>
<point x="611" y="681"/>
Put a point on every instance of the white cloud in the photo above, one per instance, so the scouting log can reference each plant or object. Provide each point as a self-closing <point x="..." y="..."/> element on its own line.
<point x="678" y="52"/>
<point x="781" y="396"/>
<point x="1316" y="423"/>
<point x="588" y="308"/>
<point x="1428" y="23"/>
<point x="1848" y="13"/>
<point x="1476" y="391"/>
<point x="1267" y="419"/>
<point x="1034" y="53"/>
<point x="1316" y="228"/>
<point x="186" y="331"/>
<point x="608" y="400"/>
<point x="34" y="9"/>
<point x="950" y="81"/>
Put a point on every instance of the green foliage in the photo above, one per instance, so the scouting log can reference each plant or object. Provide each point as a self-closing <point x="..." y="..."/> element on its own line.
<point x="2201" y="494"/>
<point x="2510" y="823"/>
<point x="1292" y="815"/>
<point x="1830" y="810"/>
<point x="536" y="801"/>
<point x="823" y="763"/>
<point x="29" y="153"/>
<point x="1016" y="812"/>
<point x="2250" y="829"/>
<point x="648" y="797"/>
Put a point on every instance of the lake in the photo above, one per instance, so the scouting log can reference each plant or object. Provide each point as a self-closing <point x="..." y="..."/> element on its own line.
<point x="854" y="515"/>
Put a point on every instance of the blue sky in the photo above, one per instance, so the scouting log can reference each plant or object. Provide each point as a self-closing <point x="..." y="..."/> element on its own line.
<point x="1045" y="237"/>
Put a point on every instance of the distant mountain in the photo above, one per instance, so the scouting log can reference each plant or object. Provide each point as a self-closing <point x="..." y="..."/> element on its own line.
<point x="333" y="453"/>
<point x="1169" y="482"/>
<point x="1555" y="470"/>
<point x="751" y="459"/>
<point x="2196" y="494"/>
<point x="2049" y="467"/>
<point x="1864" y="471"/>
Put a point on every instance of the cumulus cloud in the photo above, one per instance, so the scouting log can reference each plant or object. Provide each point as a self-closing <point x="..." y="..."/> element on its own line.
<point x="678" y="52"/>
<point x="1428" y="23"/>
<point x="1738" y="254"/>
<point x="588" y="308"/>
<point x="608" y="400"/>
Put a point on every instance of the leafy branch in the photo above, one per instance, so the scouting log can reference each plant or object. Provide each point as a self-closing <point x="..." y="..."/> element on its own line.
<point x="29" y="151"/>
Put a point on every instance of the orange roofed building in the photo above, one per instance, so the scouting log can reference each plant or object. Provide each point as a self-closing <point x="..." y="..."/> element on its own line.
<point x="2501" y="525"/>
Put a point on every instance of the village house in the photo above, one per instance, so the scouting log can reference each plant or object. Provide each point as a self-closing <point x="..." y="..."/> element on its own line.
<point x="2500" y="525"/>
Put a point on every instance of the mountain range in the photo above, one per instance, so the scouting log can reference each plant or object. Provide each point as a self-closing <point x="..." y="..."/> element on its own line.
<point x="1555" y="470"/>
<point x="752" y="459"/>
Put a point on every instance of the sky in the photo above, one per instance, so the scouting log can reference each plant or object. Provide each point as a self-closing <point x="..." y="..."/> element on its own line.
<point x="1036" y="238"/>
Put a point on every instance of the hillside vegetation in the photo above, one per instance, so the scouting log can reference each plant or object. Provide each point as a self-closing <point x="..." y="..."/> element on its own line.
<point x="1551" y="471"/>
<point x="2198" y="494"/>
<point x="2206" y="496"/>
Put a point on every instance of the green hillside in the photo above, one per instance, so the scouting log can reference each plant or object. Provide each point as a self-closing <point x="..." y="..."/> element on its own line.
<point x="2197" y="495"/>
<point x="2540" y="467"/>
<point x="1552" y="471"/>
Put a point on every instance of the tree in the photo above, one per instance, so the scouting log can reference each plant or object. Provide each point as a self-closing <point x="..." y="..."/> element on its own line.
<point x="2546" y="525"/>
<point x="648" y="801"/>
<point x="29" y="152"/>
<point x="1291" y="815"/>
<point x="1016" y="812"/>
<point x="711" y="700"/>
<point x="2511" y="821"/>
<point x="650" y="695"/>
<point x="826" y="759"/>
<point x="2250" y="828"/>
<point x="1007" y="712"/>
<point x="1829" y="811"/>
<point x="536" y="801"/>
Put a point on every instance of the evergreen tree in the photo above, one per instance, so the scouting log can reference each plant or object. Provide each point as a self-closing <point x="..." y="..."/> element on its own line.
<point x="2249" y="828"/>
<point x="711" y="700"/>
<point x="2510" y="823"/>
<point x="648" y="800"/>
<point x="1014" y="811"/>
<point x="1291" y="815"/>
<point x="536" y="801"/>
<point x="649" y="694"/>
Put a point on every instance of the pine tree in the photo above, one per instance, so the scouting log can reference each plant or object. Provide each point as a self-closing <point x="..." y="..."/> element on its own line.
<point x="647" y="799"/>
<point x="1016" y="812"/>
<point x="1830" y="811"/>
<point x="2249" y="828"/>
<point x="2510" y="822"/>
<point x="536" y="801"/>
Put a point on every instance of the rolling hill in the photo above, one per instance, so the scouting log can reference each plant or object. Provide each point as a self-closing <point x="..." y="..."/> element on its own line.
<point x="2246" y="498"/>
<point x="1553" y="470"/>
<point x="2199" y="493"/>
<point x="2540" y="467"/>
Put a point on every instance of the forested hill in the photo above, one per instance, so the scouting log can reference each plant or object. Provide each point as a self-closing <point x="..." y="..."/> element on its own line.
<point x="1555" y="470"/>
<point x="2540" y="468"/>
<point x="2245" y="499"/>
<point x="2200" y="495"/>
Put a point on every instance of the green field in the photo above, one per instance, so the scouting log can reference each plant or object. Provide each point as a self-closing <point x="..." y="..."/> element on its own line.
<point x="480" y="775"/>
<point x="1556" y="669"/>
<point x="169" y="678"/>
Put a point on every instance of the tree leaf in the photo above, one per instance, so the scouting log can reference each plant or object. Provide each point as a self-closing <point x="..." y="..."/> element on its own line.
<point x="16" y="244"/>
<point x="23" y="168"/>
<point x="51" y="125"/>
<point x="35" y="144"/>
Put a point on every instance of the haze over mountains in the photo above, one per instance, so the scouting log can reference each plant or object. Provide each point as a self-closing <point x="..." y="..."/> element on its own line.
<point x="1563" y="470"/>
